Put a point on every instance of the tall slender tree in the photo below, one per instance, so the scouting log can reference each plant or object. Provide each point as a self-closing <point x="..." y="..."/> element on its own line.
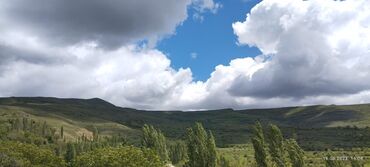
<point x="25" y="124"/>
<point x="276" y="145"/>
<point x="296" y="154"/>
<point x="154" y="139"/>
<point x="61" y="132"/>
<point x="258" y="142"/>
<point x="70" y="154"/>
<point x="212" y="154"/>
<point x="44" y="130"/>
<point x="177" y="152"/>
<point x="95" y="134"/>
<point x="201" y="147"/>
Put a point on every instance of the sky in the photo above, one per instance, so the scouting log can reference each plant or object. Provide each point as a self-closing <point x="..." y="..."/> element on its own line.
<point x="190" y="47"/>
<point x="187" y="54"/>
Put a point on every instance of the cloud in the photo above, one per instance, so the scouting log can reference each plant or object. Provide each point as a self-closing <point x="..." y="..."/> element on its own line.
<point x="313" y="52"/>
<point x="128" y="76"/>
<point x="108" y="23"/>
<point x="193" y="55"/>
<point x="206" y="5"/>
<point x="80" y="49"/>
<point x="203" y="6"/>
<point x="316" y="48"/>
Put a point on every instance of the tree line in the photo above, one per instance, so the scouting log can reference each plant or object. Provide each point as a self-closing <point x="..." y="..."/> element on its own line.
<point x="27" y="142"/>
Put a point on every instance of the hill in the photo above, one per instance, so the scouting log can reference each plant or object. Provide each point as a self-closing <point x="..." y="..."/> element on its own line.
<point x="317" y="127"/>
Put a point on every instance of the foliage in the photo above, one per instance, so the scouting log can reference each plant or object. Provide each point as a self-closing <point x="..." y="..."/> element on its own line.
<point x="5" y="160"/>
<point x="27" y="155"/>
<point x="122" y="156"/>
<point x="296" y="154"/>
<point x="62" y="132"/>
<point x="201" y="147"/>
<point x="331" y="161"/>
<point x="356" y="163"/>
<point x="177" y="152"/>
<point x="319" y="127"/>
<point x="154" y="139"/>
<point x="70" y="154"/>
<point x="223" y="162"/>
<point x="278" y="148"/>
<point x="276" y="145"/>
<point x="95" y="134"/>
<point x="212" y="154"/>
<point x="343" y="129"/>
<point x="258" y="142"/>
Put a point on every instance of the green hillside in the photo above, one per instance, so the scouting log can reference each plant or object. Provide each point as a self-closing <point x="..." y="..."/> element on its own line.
<point x="316" y="127"/>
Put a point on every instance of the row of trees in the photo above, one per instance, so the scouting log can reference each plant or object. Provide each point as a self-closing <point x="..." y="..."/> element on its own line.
<point x="271" y="149"/>
<point x="199" y="149"/>
<point x="31" y="143"/>
<point x="274" y="149"/>
<point x="32" y="134"/>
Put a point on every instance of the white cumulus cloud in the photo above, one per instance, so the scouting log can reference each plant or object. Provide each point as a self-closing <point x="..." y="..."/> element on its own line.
<point x="315" y="48"/>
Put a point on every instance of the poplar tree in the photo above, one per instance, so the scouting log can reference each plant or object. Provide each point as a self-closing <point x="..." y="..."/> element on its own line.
<point x="276" y="145"/>
<point x="212" y="155"/>
<point x="25" y="124"/>
<point x="95" y="134"/>
<point x="44" y="129"/>
<point x="154" y="139"/>
<point x="258" y="142"/>
<point x="201" y="147"/>
<point x="70" y="154"/>
<point x="177" y="152"/>
<point x="296" y="154"/>
<point x="61" y="132"/>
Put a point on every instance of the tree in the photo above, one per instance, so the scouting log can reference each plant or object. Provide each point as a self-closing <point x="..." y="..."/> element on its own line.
<point x="258" y="142"/>
<point x="61" y="132"/>
<point x="296" y="154"/>
<point x="177" y="152"/>
<point x="212" y="154"/>
<point x="95" y="134"/>
<point x="276" y="145"/>
<point x="70" y="154"/>
<point x="17" y="124"/>
<point x="27" y="155"/>
<point x="5" y="160"/>
<point x="154" y="139"/>
<point x="44" y="129"/>
<point x="201" y="147"/>
<point x="25" y="124"/>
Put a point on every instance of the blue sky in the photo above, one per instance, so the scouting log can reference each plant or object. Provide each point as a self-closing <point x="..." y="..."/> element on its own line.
<point x="212" y="40"/>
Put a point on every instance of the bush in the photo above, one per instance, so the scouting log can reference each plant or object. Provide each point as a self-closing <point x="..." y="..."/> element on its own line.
<point x="27" y="155"/>
<point x="122" y="156"/>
